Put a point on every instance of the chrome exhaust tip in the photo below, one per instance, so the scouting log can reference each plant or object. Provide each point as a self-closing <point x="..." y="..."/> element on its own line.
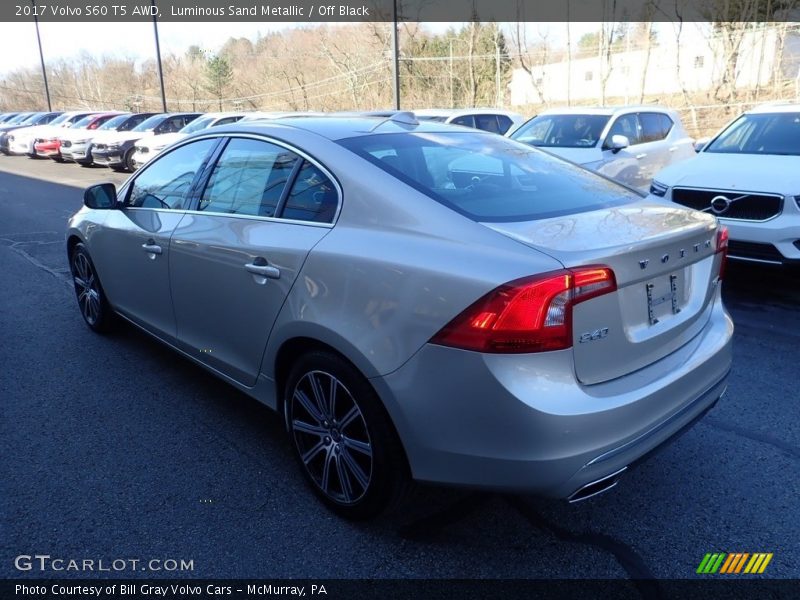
<point x="596" y="487"/>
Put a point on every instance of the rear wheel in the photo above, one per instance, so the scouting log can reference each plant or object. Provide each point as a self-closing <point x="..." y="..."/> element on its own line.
<point x="342" y="436"/>
<point x="92" y="301"/>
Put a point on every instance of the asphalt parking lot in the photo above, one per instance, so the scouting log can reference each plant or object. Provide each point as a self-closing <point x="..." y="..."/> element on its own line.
<point x="115" y="447"/>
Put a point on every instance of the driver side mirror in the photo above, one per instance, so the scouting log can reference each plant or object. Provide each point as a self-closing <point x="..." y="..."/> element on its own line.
<point x="101" y="196"/>
<point x="619" y="142"/>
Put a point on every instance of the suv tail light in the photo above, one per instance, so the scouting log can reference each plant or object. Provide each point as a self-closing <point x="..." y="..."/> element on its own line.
<point x="722" y="248"/>
<point x="532" y="314"/>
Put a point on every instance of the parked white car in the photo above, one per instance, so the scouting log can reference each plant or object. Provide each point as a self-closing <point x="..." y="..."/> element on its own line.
<point x="748" y="175"/>
<point x="149" y="146"/>
<point x="22" y="141"/>
<point x="487" y="119"/>
<point x="629" y="144"/>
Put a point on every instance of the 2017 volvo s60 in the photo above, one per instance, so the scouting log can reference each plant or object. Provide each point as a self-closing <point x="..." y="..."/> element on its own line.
<point x="417" y="300"/>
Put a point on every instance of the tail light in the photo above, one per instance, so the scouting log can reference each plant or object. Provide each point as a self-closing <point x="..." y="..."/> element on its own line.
<point x="722" y="248"/>
<point x="532" y="314"/>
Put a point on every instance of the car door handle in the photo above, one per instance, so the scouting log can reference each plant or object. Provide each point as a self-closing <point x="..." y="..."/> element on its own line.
<point x="264" y="270"/>
<point x="151" y="247"/>
<point x="640" y="156"/>
<point x="673" y="148"/>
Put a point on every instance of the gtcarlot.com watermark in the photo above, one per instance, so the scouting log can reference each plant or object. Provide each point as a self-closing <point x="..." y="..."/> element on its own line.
<point x="41" y="563"/>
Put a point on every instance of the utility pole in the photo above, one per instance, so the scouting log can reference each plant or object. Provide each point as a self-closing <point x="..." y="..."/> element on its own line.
<point x="41" y="57"/>
<point x="396" y="54"/>
<point x="158" y="57"/>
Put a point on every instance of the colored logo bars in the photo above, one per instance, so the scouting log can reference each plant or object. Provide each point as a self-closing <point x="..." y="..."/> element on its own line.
<point x="734" y="563"/>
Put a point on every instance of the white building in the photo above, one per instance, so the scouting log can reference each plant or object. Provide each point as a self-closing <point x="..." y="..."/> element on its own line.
<point x="697" y="62"/>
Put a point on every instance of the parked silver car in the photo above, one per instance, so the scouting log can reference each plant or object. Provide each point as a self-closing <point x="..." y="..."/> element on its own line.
<point x="419" y="301"/>
<point x="629" y="144"/>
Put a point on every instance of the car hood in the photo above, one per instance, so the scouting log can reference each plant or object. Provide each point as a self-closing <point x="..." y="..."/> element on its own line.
<point x="118" y="137"/>
<point x="77" y="134"/>
<point x="746" y="172"/>
<point x="581" y="156"/>
<point x="159" y="141"/>
<point x="41" y="131"/>
<point x="5" y="128"/>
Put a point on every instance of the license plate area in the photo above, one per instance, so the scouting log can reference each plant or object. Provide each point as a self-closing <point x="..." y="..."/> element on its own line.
<point x="662" y="298"/>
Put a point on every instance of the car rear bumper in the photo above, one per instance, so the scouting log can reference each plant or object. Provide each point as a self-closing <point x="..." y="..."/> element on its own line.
<point x="523" y="422"/>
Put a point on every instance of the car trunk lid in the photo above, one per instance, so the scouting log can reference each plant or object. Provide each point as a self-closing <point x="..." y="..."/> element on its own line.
<point x="665" y="264"/>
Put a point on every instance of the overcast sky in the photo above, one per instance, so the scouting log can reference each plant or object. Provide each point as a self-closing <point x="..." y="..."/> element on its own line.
<point x="66" y="40"/>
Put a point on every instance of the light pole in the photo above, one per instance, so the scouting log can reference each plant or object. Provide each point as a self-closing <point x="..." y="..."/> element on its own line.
<point x="396" y="55"/>
<point x="41" y="56"/>
<point x="158" y="57"/>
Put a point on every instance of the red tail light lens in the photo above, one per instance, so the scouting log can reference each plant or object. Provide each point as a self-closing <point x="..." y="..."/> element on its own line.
<point x="533" y="314"/>
<point x="722" y="248"/>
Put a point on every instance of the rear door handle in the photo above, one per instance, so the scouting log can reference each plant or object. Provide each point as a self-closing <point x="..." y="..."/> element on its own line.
<point x="673" y="148"/>
<point x="264" y="270"/>
<point x="151" y="247"/>
<point x="640" y="156"/>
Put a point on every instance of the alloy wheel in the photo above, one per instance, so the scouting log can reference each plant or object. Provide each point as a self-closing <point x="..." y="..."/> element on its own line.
<point x="86" y="288"/>
<point x="331" y="437"/>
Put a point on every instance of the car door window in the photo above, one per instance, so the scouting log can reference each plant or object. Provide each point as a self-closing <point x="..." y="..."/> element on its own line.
<point x="627" y="125"/>
<point x="166" y="182"/>
<point x="313" y="196"/>
<point x="248" y="179"/>
<point x="465" y="120"/>
<point x="652" y="127"/>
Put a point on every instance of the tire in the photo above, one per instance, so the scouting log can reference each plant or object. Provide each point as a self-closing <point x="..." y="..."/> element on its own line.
<point x="349" y="453"/>
<point x="95" y="309"/>
<point x="128" y="160"/>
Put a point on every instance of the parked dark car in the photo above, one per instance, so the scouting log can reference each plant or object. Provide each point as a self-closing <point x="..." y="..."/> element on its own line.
<point x="79" y="148"/>
<point x="115" y="149"/>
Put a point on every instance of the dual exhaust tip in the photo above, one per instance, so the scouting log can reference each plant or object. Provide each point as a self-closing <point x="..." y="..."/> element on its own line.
<point x="596" y="487"/>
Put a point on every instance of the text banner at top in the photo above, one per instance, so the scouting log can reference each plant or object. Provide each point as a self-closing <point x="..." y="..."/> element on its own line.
<point x="384" y="10"/>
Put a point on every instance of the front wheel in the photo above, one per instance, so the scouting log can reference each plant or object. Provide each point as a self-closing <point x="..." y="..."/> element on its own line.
<point x="94" y="307"/>
<point x="343" y="438"/>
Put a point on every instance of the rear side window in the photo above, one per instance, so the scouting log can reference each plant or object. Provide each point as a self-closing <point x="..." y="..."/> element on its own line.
<point x="504" y="123"/>
<point x="313" y="196"/>
<point x="654" y="127"/>
<point x="248" y="179"/>
<point x="487" y="177"/>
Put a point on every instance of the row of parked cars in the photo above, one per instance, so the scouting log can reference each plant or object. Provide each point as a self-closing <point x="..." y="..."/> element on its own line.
<point x="745" y="175"/>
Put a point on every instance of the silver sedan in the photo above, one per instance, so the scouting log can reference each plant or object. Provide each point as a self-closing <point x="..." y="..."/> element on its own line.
<point x="418" y="301"/>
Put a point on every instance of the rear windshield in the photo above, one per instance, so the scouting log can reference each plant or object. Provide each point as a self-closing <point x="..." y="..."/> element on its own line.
<point x="770" y="133"/>
<point x="562" y="131"/>
<point x="487" y="177"/>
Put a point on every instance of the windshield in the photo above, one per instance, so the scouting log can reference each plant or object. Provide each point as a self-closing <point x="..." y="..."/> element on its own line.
<point x="487" y="177"/>
<point x="83" y="122"/>
<point x="60" y="119"/>
<point x="150" y="124"/>
<point x="19" y="118"/>
<point x="766" y="133"/>
<point x="33" y="118"/>
<point x="562" y="131"/>
<point x="197" y="125"/>
<point x="114" y="122"/>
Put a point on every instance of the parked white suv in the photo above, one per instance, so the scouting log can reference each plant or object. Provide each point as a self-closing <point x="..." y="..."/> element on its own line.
<point x="748" y="175"/>
<point x="629" y="144"/>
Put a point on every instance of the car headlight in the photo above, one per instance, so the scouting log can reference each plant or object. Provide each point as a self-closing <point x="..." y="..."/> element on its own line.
<point x="658" y="189"/>
<point x="80" y="141"/>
